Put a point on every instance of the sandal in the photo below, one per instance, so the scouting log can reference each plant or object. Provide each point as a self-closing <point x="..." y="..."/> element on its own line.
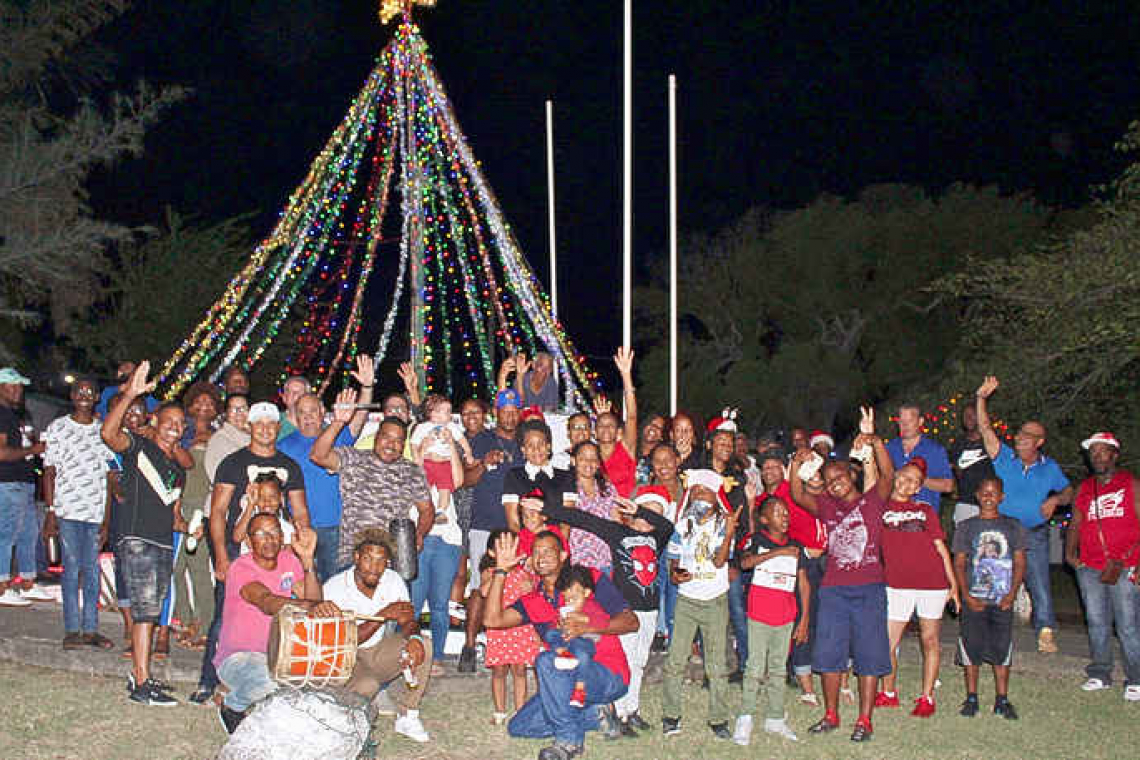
<point x="98" y="640"/>
<point x="73" y="640"/>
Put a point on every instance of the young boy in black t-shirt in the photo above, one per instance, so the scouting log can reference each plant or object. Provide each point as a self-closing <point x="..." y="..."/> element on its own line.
<point x="989" y="561"/>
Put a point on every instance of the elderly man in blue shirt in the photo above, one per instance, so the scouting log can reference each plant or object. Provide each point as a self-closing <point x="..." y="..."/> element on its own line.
<point x="1034" y="488"/>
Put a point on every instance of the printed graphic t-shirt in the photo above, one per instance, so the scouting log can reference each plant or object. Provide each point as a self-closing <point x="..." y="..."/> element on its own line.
<point x="989" y="546"/>
<point x="695" y="545"/>
<point x="151" y="484"/>
<point x="854" y="537"/>
<point x="909" y="558"/>
<point x="772" y="595"/>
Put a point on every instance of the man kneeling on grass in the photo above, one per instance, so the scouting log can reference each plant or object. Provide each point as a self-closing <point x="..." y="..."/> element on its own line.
<point x="557" y="710"/>
<point x="989" y="560"/>
<point x="258" y="586"/>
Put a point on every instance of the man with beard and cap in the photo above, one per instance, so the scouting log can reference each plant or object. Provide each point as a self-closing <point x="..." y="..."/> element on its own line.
<point x="76" y="464"/>
<point x="18" y="518"/>
<point x="1103" y="545"/>
<point x="371" y="587"/>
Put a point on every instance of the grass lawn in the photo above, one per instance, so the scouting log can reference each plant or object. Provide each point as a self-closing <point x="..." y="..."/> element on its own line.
<point x="51" y="714"/>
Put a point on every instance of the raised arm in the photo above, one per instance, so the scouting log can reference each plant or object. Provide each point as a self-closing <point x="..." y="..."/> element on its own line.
<point x="884" y="466"/>
<point x="494" y="616"/>
<point x="800" y="494"/>
<point x="365" y="374"/>
<point x="985" y="427"/>
<point x="113" y="434"/>
<point x="407" y="374"/>
<point x="323" y="453"/>
<point x="624" y="361"/>
<point x="730" y="522"/>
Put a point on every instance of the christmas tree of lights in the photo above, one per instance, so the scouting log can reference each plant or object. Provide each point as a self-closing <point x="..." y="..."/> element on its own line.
<point x="471" y="291"/>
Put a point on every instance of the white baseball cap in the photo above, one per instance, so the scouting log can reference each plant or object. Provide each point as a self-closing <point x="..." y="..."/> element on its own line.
<point x="264" y="410"/>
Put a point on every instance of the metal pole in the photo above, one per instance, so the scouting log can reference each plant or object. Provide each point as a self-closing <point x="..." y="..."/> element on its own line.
<point x="550" y="208"/>
<point x="672" y="244"/>
<point x="627" y="181"/>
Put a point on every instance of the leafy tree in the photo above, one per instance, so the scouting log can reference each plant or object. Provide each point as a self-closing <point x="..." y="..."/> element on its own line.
<point x="158" y="287"/>
<point x="797" y="316"/>
<point x="51" y="137"/>
<point x="1060" y="324"/>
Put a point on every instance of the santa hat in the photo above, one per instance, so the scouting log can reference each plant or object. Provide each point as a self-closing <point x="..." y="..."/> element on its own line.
<point x="818" y="436"/>
<point x="726" y="421"/>
<point x="711" y="480"/>
<point x="531" y="413"/>
<point x="656" y="498"/>
<point x="1105" y="437"/>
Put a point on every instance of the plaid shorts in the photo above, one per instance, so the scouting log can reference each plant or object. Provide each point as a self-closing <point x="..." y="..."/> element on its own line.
<point x="147" y="569"/>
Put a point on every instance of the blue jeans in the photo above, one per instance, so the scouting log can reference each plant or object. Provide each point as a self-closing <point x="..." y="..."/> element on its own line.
<point x="549" y="713"/>
<point x="800" y="661"/>
<point x="437" y="565"/>
<point x="19" y="527"/>
<point x="1104" y="606"/>
<point x="246" y="675"/>
<point x="79" y="544"/>
<point x="738" y="618"/>
<point x="580" y="647"/>
<point x="328" y="539"/>
<point x="667" y="604"/>
<point x="1037" y="577"/>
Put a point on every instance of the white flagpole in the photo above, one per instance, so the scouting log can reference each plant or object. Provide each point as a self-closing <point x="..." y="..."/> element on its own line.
<point x="550" y="207"/>
<point x="627" y="181"/>
<point x="672" y="244"/>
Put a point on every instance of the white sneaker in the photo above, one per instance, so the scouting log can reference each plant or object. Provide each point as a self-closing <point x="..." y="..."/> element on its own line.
<point x="1132" y="693"/>
<point x="565" y="662"/>
<point x="13" y="598"/>
<point x="409" y="725"/>
<point x="743" y="733"/>
<point x="37" y="593"/>
<point x="1094" y="684"/>
<point x="779" y="727"/>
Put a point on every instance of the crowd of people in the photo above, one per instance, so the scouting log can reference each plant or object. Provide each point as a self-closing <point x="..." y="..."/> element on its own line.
<point x="775" y="561"/>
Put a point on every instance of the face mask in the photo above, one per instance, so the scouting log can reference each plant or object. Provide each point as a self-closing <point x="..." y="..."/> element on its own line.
<point x="700" y="508"/>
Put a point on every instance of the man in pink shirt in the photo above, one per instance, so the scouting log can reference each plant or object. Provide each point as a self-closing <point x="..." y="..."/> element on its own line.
<point x="258" y="585"/>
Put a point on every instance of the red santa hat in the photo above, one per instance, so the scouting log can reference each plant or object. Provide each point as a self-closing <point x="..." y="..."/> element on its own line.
<point x="533" y="412"/>
<point x="726" y="421"/>
<point x="818" y="436"/>
<point x="1105" y="437"/>
<point x="656" y="498"/>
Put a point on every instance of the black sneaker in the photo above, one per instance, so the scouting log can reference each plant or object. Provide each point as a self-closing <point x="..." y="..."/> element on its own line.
<point x="720" y="730"/>
<point x="660" y="643"/>
<point x="561" y="751"/>
<point x="638" y="722"/>
<point x="627" y="730"/>
<point x="736" y="676"/>
<point x="230" y="719"/>
<point x="862" y="732"/>
<point x="1005" y="709"/>
<point x="149" y="694"/>
<point x="969" y="707"/>
<point x="201" y="696"/>
<point x="608" y="722"/>
<point x="824" y="726"/>
<point x="160" y="685"/>
<point x="466" y="660"/>
<point x="670" y="726"/>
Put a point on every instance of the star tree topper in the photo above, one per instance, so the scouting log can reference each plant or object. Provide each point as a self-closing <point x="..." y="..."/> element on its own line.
<point x="392" y="8"/>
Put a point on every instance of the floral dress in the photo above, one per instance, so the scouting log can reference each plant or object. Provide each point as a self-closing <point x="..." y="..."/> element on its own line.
<point x="518" y="645"/>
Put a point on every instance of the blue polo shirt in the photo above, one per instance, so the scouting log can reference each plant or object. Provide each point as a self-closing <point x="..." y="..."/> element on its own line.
<point x="1026" y="487"/>
<point x="322" y="489"/>
<point x="937" y="464"/>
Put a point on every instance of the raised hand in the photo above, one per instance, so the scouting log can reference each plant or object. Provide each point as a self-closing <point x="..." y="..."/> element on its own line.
<point x="867" y="420"/>
<point x="506" y="551"/>
<point x="624" y="360"/>
<point x="305" y="544"/>
<point x="365" y="373"/>
<point x="407" y="374"/>
<point x="522" y="364"/>
<point x="625" y="506"/>
<point x="138" y="385"/>
<point x="602" y="406"/>
<point x="345" y="406"/>
<point x="750" y="492"/>
<point x="988" y="386"/>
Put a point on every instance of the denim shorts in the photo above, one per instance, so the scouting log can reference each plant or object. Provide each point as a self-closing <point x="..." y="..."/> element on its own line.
<point x="852" y="625"/>
<point x="147" y="569"/>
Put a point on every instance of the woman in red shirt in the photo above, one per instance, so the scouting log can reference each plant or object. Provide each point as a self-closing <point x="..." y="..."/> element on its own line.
<point x="617" y="459"/>
<point x="920" y="578"/>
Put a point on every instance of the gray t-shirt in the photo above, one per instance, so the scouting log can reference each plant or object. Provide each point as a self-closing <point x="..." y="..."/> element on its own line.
<point x="989" y="546"/>
<point x="547" y="397"/>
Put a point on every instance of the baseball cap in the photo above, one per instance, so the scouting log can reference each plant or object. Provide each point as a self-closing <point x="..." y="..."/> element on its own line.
<point x="1104" y="437"/>
<point x="9" y="376"/>
<point x="264" y="410"/>
<point x="507" y="397"/>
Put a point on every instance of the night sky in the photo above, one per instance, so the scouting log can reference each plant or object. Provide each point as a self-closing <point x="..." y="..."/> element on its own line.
<point x="779" y="102"/>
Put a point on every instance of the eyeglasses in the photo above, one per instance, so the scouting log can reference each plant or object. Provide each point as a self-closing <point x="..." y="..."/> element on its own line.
<point x="579" y="427"/>
<point x="268" y="534"/>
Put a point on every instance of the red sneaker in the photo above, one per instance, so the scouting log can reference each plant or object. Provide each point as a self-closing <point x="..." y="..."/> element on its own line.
<point x="923" y="707"/>
<point x="887" y="699"/>
<point x="578" y="697"/>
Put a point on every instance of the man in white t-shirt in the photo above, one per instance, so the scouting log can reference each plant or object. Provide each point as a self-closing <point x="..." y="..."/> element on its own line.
<point x="697" y="556"/>
<point x="75" y="489"/>
<point x="370" y="587"/>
